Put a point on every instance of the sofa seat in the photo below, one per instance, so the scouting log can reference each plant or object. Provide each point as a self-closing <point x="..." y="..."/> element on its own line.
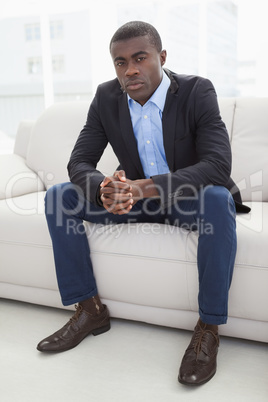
<point x="155" y="281"/>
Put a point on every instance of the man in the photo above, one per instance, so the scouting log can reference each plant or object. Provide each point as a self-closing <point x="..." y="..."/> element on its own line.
<point x="175" y="164"/>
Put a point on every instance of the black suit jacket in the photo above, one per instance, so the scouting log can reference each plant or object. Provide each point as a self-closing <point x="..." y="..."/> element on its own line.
<point x="195" y="140"/>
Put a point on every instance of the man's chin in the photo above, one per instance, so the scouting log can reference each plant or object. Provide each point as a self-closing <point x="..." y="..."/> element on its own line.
<point x="138" y="96"/>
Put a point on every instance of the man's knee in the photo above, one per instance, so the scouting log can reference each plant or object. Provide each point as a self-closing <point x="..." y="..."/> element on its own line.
<point x="63" y="196"/>
<point x="216" y="197"/>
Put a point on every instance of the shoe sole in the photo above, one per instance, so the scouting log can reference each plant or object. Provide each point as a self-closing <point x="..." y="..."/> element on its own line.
<point x="101" y="330"/>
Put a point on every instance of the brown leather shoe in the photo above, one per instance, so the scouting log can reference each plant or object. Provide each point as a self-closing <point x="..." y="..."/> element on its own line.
<point x="76" y="329"/>
<point x="199" y="362"/>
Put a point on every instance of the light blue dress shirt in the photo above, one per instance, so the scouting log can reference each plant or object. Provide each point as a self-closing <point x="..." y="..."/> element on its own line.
<point x="148" y="131"/>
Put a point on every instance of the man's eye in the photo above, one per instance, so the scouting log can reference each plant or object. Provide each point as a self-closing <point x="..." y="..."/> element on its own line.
<point x="141" y="59"/>
<point x="119" y="63"/>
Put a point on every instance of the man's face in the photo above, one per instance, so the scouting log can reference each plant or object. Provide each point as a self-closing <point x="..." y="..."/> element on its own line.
<point x="138" y="67"/>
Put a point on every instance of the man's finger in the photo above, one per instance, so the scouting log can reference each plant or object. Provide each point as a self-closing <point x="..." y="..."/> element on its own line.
<point x="106" y="181"/>
<point x="121" y="175"/>
<point x="116" y="207"/>
<point x="115" y="187"/>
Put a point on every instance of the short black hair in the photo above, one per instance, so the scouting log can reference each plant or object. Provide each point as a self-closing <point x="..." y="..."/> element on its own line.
<point x="134" y="29"/>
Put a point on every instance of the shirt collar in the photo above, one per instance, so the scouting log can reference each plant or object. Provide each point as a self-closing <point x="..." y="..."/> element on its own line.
<point x="159" y="95"/>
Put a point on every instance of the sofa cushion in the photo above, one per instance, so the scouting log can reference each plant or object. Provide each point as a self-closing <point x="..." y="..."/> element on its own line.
<point x="53" y="137"/>
<point x="23" y="137"/>
<point x="249" y="290"/>
<point x="25" y="244"/>
<point x="249" y="148"/>
<point x="16" y="177"/>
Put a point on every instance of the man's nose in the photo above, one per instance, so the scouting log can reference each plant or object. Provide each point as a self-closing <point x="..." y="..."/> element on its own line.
<point x="132" y="70"/>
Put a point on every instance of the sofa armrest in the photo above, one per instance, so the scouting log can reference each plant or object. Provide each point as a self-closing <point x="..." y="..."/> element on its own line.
<point x="23" y="137"/>
<point x="16" y="178"/>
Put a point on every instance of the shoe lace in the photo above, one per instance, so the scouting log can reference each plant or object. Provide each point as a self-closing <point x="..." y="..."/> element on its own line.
<point x="200" y="337"/>
<point x="77" y="314"/>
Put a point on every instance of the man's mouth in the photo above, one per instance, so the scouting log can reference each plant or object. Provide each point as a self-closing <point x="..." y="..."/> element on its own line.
<point x="134" y="85"/>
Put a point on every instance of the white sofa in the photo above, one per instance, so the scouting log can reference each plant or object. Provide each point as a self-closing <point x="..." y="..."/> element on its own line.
<point x="164" y="257"/>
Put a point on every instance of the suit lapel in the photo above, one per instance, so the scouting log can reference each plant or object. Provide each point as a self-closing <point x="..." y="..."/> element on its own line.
<point x="169" y="121"/>
<point x="127" y="132"/>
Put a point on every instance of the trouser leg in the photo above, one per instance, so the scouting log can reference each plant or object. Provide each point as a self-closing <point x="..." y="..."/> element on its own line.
<point x="65" y="209"/>
<point x="215" y="219"/>
<point x="216" y="253"/>
<point x="213" y="215"/>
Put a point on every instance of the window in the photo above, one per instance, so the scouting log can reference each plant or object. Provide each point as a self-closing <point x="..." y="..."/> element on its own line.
<point x="34" y="65"/>
<point x="58" y="64"/>
<point x="56" y="29"/>
<point x="32" y="32"/>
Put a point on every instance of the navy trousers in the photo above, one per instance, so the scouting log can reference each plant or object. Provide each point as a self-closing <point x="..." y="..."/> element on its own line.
<point x="211" y="213"/>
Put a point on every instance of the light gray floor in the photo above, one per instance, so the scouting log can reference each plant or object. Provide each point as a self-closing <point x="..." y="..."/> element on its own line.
<point x="132" y="362"/>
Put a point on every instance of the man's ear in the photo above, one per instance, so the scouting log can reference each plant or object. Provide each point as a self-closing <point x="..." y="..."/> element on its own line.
<point x="163" y="56"/>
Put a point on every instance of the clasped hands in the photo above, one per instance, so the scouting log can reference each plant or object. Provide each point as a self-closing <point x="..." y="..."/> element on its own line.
<point x="118" y="194"/>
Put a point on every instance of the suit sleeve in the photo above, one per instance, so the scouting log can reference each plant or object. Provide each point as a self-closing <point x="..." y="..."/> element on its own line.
<point x="87" y="152"/>
<point x="213" y="150"/>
